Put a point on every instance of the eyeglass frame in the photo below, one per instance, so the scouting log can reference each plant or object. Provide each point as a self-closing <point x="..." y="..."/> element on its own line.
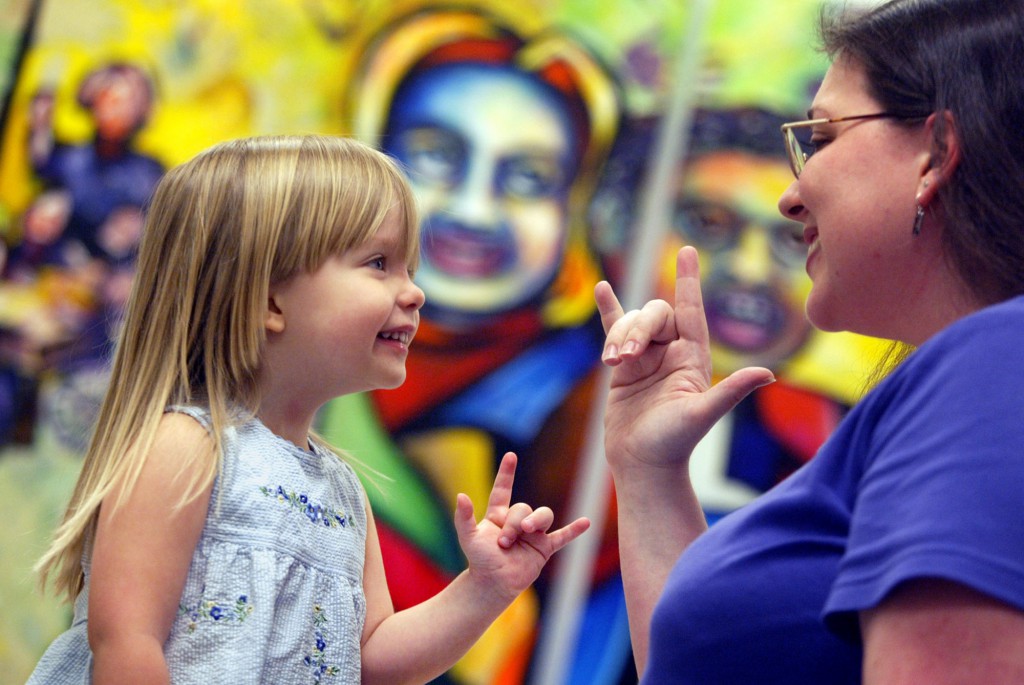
<point x="794" y="150"/>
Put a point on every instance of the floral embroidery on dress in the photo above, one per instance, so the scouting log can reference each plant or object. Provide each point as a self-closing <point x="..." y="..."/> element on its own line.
<point x="314" y="511"/>
<point x="317" y="661"/>
<point x="218" y="612"/>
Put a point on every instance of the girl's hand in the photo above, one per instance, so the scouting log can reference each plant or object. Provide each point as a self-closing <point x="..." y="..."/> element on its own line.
<point x="661" y="401"/>
<point x="509" y="547"/>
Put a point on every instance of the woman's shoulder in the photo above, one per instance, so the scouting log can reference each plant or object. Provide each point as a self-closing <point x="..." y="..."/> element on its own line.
<point x="992" y="325"/>
<point x="981" y="346"/>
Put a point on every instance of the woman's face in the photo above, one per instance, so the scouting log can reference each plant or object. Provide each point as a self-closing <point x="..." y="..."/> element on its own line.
<point x="856" y="200"/>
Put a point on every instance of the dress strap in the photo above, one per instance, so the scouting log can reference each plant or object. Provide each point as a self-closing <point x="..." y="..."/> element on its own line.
<point x="81" y="605"/>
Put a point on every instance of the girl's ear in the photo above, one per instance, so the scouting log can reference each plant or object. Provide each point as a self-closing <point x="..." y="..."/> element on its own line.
<point x="274" y="320"/>
<point x="943" y="159"/>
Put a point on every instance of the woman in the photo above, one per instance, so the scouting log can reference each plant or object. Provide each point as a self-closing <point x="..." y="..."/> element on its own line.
<point x="897" y="554"/>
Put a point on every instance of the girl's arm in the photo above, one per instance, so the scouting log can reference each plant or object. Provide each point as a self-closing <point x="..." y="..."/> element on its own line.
<point x="141" y="556"/>
<point x="506" y="552"/>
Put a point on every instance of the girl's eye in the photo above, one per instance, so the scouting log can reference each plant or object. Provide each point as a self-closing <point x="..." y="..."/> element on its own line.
<point x="378" y="263"/>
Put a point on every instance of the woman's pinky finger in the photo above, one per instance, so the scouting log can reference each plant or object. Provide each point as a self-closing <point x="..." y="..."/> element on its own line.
<point x="607" y="305"/>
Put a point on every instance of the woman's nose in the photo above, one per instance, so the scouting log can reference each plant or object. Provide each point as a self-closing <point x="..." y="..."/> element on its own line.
<point x="790" y="204"/>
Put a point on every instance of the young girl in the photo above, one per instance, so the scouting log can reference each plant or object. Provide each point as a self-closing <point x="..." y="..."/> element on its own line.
<point x="211" y="537"/>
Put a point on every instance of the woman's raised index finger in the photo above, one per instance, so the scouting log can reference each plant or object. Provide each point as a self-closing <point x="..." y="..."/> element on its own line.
<point x="691" y="322"/>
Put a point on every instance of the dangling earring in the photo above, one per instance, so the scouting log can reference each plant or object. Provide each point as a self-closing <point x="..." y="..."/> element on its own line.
<point x="919" y="217"/>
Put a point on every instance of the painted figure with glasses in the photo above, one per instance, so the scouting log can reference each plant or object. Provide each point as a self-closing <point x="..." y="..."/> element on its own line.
<point x="896" y="555"/>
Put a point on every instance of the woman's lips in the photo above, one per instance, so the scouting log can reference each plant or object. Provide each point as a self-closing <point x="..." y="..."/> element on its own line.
<point x="811" y="239"/>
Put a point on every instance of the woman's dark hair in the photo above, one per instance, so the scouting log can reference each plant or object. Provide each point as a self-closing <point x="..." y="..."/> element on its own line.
<point x="963" y="57"/>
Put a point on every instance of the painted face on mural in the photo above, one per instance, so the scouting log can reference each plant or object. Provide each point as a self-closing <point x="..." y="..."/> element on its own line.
<point x="752" y="260"/>
<point x="490" y="157"/>
<point x="119" y="98"/>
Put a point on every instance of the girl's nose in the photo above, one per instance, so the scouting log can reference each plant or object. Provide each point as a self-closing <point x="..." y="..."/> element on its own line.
<point x="412" y="296"/>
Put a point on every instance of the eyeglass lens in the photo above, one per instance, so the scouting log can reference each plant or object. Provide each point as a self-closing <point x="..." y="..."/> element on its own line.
<point x="796" y="151"/>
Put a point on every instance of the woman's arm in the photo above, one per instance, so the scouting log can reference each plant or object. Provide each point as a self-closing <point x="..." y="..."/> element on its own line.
<point x="942" y="633"/>
<point x="660" y="404"/>
<point x="506" y="552"/>
<point x="141" y="556"/>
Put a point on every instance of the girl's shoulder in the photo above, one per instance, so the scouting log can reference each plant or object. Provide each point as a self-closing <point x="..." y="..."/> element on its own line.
<point x="198" y="414"/>
<point x="186" y="421"/>
<point x="185" y="437"/>
<point x="184" y="451"/>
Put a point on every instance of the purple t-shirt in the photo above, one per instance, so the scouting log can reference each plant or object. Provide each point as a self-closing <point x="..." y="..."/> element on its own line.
<point x="924" y="478"/>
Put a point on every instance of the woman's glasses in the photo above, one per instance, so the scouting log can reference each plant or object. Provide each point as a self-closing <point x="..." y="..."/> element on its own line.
<point x="794" y="148"/>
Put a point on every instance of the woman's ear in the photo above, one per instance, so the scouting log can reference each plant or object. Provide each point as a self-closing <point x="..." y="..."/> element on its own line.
<point x="274" y="320"/>
<point x="943" y="159"/>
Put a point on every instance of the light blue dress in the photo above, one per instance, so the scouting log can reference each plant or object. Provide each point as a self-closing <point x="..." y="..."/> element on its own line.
<point x="274" y="593"/>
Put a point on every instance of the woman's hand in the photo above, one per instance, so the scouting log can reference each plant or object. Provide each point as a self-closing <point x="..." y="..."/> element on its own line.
<point x="661" y="401"/>
<point x="660" y="404"/>
<point x="508" y="548"/>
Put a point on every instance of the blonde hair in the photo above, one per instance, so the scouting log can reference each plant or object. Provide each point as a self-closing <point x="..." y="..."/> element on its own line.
<point x="220" y="230"/>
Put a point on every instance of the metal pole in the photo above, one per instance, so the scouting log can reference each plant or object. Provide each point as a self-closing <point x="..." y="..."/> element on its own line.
<point x="561" y="620"/>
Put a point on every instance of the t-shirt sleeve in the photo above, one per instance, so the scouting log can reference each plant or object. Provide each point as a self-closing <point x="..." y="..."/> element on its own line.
<point x="942" y="492"/>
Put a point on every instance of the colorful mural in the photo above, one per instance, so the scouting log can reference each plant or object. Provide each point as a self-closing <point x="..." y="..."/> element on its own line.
<point x="503" y="128"/>
<point x="530" y="132"/>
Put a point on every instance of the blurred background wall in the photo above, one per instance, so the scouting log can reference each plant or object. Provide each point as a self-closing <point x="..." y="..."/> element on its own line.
<point x="551" y="144"/>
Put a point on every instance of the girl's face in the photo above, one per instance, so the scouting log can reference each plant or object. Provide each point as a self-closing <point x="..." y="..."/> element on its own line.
<point x="856" y="200"/>
<point x="347" y="326"/>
